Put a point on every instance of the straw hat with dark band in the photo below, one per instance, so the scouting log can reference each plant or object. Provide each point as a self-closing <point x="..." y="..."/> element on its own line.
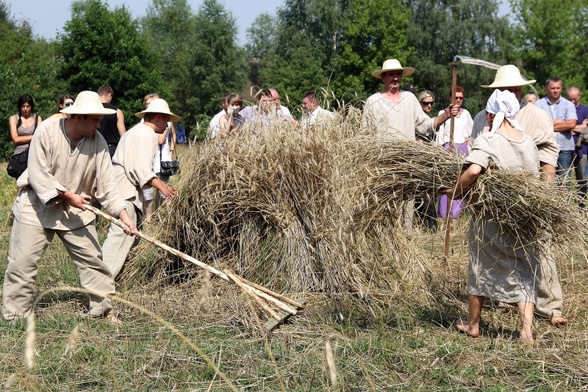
<point x="392" y="65"/>
<point x="158" y="105"/>
<point x="88" y="102"/>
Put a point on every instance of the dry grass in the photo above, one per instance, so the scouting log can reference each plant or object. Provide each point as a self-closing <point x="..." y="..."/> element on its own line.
<point x="318" y="212"/>
<point x="308" y="215"/>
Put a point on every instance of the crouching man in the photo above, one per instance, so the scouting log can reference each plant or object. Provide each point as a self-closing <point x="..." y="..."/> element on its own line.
<point x="69" y="167"/>
<point x="133" y="169"/>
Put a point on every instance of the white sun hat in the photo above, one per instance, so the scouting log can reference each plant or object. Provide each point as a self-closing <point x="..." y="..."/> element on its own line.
<point x="508" y="76"/>
<point x="392" y="65"/>
<point x="87" y="102"/>
<point x="158" y="105"/>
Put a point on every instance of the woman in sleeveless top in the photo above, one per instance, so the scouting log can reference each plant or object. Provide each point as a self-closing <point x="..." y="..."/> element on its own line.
<point x="23" y="124"/>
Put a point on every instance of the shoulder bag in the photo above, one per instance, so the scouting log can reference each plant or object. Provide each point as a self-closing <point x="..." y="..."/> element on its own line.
<point x="168" y="168"/>
<point x="17" y="163"/>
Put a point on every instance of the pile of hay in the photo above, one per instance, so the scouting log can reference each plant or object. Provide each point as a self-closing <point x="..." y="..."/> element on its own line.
<point x="400" y="170"/>
<point x="299" y="211"/>
<point x="281" y="209"/>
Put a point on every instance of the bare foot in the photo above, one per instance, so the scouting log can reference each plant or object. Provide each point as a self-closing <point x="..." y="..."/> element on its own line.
<point x="558" y="321"/>
<point x="465" y="327"/>
<point x="527" y="338"/>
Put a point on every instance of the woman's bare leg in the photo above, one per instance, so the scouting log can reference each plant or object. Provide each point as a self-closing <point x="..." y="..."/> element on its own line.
<point x="526" y="310"/>
<point x="472" y="327"/>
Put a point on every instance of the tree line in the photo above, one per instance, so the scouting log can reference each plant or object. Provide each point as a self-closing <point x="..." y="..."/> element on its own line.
<point x="192" y="57"/>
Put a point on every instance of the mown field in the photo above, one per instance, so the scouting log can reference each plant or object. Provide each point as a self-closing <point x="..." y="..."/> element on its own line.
<point x="203" y="334"/>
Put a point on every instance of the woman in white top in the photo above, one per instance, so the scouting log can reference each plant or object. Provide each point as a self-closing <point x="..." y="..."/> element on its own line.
<point x="462" y="130"/>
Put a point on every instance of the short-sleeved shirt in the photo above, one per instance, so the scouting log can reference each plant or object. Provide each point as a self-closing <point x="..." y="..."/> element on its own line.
<point x="462" y="128"/>
<point x="257" y="121"/>
<point x="560" y="110"/>
<point x="536" y="123"/>
<point x="582" y="113"/>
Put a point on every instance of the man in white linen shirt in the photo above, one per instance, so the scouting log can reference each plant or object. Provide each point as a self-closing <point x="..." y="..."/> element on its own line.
<point x="69" y="167"/>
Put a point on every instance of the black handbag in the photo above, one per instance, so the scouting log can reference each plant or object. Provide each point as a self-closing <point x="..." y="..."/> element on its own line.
<point x="17" y="164"/>
<point x="168" y="168"/>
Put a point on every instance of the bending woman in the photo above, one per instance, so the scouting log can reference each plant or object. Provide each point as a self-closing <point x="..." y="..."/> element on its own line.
<point x="500" y="268"/>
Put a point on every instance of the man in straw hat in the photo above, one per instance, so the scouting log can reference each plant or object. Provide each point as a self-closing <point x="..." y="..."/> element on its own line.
<point x="69" y="167"/>
<point x="537" y="124"/>
<point x="133" y="169"/>
<point x="399" y="113"/>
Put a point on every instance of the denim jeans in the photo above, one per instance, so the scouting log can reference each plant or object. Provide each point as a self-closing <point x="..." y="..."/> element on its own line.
<point x="564" y="163"/>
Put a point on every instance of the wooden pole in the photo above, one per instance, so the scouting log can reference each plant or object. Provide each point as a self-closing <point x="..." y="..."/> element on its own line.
<point x="451" y="148"/>
<point x="256" y="291"/>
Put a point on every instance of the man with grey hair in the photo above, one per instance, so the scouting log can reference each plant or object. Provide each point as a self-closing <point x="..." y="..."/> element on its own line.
<point x="581" y="157"/>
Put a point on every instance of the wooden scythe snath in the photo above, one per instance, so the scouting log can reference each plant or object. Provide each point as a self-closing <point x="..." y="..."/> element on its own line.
<point x="451" y="148"/>
<point x="277" y="306"/>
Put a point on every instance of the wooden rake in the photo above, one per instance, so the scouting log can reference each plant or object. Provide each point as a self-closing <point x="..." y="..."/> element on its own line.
<point x="279" y="307"/>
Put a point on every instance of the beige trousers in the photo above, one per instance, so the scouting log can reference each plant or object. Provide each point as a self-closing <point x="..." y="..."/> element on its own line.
<point x="27" y="245"/>
<point x="549" y="293"/>
<point x="117" y="246"/>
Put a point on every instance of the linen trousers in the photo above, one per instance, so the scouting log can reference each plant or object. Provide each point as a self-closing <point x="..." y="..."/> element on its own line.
<point x="549" y="292"/>
<point x="118" y="244"/>
<point x="27" y="245"/>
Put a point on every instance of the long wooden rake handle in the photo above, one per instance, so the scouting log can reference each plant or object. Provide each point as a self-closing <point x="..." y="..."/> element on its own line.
<point x="250" y="288"/>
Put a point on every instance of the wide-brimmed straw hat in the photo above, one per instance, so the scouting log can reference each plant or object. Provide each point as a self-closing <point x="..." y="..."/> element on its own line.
<point x="392" y="65"/>
<point x="87" y="102"/>
<point x="158" y="105"/>
<point x="508" y="76"/>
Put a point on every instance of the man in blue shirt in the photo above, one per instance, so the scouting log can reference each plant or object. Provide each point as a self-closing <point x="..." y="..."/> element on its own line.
<point x="581" y="158"/>
<point x="564" y="118"/>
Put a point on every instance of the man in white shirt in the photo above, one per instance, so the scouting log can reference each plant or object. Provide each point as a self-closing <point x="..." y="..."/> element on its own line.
<point x="313" y="114"/>
<point x="69" y="167"/>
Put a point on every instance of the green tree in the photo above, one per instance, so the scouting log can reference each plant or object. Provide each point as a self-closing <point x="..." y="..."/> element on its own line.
<point x="554" y="40"/>
<point x="304" y="50"/>
<point x="100" y="46"/>
<point x="217" y="63"/>
<point x="170" y="26"/>
<point x="441" y="29"/>
<point x="260" y="46"/>
<point x="374" y="31"/>
<point x="27" y="66"/>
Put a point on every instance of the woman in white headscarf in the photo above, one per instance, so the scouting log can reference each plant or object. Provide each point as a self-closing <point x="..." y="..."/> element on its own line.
<point x="499" y="268"/>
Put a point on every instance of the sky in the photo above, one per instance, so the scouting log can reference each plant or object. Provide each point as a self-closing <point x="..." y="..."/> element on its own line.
<point x="47" y="17"/>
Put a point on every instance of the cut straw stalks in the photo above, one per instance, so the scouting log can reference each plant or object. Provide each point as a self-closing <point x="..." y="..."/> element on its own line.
<point x="260" y="294"/>
<point x="317" y="211"/>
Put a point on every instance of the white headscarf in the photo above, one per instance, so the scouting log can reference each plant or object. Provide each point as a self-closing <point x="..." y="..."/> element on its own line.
<point x="505" y="106"/>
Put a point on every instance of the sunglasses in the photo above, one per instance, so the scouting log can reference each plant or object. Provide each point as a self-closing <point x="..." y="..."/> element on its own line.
<point x="459" y="98"/>
<point x="69" y="103"/>
<point x="427" y="103"/>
